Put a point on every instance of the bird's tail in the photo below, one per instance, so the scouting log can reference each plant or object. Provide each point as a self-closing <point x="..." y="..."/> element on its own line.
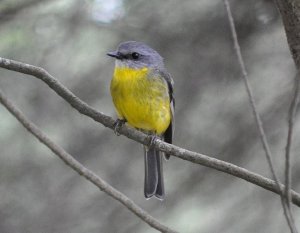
<point x="154" y="183"/>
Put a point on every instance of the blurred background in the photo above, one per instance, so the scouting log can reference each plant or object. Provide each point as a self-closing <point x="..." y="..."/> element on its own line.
<point x="39" y="193"/>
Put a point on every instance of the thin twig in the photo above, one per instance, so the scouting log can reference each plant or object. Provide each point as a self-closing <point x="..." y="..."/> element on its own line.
<point x="80" y="169"/>
<point x="286" y="210"/>
<point x="291" y="118"/>
<point x="250" y="93"/>
<point x="140" y="137"/>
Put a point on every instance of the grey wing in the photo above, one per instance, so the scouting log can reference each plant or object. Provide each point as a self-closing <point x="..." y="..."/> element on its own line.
<point x="168" y="135"/>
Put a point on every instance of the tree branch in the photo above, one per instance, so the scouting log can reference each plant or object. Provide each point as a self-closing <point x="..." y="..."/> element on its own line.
<point x="81" y="170"/>
<point x="140" y="137"/>
<point x="290" y="14"/>
<point x="286" y="209"/>
<point x="291" y="118"/>
<point x="250" y="94"/>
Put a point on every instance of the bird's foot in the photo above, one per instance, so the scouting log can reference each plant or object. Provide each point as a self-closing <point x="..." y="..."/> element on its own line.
<point x="117" y="125"/>
<point x="152" y="139"/>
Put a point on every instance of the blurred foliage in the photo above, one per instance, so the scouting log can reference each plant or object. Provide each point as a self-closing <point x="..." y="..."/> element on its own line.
<point x="70" y="39"/>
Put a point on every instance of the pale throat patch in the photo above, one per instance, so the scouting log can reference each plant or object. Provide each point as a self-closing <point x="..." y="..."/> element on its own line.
<point x="129" y="64"/>
<point x="120" y="64"/>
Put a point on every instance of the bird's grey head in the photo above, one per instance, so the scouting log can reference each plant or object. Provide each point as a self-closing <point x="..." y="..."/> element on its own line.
<point x="136" y="55"/>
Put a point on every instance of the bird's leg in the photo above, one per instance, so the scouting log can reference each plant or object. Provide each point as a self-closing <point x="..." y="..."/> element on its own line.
<point x="152" y="139"/>
<point x="117" y="125"/>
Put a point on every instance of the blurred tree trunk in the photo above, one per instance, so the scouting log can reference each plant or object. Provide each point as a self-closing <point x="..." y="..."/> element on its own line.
<point x="290" y="12"/>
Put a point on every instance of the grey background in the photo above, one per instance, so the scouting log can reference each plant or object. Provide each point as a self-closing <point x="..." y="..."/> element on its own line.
<point x="39" y="193"/>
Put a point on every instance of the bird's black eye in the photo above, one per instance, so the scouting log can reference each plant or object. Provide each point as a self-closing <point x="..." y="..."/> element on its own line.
<point x="135" y="56"/>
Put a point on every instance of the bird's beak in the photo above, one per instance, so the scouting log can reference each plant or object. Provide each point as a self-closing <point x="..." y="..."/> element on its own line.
<point x="114" y="54"/>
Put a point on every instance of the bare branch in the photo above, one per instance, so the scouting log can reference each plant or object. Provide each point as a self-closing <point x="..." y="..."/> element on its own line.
<point x="140" y="137"/>
<point x="292" y="113"/>
<point x="81" y="170"/>
<point x="290" y="14"/>
<point x="287" y="211"/>
<point x="250" y="93"/>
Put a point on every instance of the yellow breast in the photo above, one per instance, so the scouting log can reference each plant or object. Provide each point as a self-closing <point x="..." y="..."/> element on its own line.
<point x="142" y="100"/>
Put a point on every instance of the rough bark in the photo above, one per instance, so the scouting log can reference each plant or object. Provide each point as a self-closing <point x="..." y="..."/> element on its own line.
<point x="290" y="12"/>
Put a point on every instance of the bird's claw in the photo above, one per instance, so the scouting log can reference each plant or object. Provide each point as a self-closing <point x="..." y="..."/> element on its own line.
<point x="117" y="125"/>
<point x="152" y="139"/>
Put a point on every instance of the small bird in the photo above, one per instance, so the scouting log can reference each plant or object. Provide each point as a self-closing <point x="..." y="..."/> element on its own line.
<point x="142" y="92"/>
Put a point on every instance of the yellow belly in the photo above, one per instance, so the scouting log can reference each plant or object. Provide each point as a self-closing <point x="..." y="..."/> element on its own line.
<point x="144" y="102"/>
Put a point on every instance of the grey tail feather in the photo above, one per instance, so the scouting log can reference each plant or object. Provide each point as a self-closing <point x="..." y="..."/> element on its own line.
<point x="160" y="189"/>
<point x="154" y="184"/>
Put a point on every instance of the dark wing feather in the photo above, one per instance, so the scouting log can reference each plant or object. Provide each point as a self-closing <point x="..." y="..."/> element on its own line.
<point x="168" y="135"/>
